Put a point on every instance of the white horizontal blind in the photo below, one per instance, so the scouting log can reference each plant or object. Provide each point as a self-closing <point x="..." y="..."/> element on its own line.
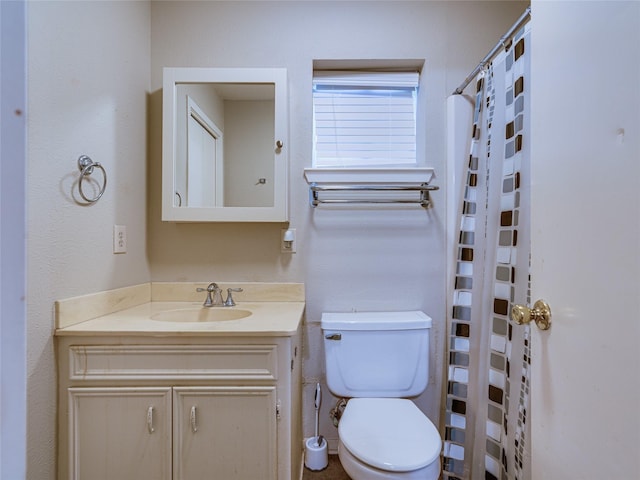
<point x="364" y="119"/>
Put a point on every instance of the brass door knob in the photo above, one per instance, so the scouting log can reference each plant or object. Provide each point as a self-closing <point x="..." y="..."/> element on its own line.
<point x="540" y="313"/>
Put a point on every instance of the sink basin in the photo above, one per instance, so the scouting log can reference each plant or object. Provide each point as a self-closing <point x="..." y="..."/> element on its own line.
<point x="201" y="315"/>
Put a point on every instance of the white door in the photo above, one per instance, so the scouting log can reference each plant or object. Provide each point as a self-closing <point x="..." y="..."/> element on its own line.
<point x="204" y="159"/>
<point x="585" y="386"/>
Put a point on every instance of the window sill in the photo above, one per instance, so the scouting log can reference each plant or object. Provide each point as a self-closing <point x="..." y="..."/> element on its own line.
<point x="320" y="176"/>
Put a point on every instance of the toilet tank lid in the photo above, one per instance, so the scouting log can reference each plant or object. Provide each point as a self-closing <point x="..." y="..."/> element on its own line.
<point x="375" y="321"/>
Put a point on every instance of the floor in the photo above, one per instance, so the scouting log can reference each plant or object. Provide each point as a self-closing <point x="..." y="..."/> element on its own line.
<point x="333" y="471"/>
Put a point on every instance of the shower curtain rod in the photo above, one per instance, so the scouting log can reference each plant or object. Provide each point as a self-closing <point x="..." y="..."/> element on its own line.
<point x="502" y="43"/>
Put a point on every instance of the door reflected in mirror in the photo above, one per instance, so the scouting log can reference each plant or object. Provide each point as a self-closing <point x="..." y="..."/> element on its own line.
<point x="223" y="144"/>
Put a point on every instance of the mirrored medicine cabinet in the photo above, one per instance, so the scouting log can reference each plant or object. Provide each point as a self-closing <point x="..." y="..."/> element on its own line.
<point x="224" y="145"/>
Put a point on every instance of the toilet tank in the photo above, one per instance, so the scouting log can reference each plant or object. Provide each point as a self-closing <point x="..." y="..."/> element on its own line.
<point x="376" y="354"/>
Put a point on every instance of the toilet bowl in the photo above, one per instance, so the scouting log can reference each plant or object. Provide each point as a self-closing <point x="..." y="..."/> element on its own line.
<point x="388" y="438"/>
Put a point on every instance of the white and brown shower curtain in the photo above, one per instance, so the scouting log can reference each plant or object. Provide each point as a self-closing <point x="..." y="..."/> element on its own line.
<point x="487" y="398"/>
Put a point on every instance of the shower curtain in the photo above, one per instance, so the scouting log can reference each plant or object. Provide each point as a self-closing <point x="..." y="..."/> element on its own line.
<point x="487" y="391"/>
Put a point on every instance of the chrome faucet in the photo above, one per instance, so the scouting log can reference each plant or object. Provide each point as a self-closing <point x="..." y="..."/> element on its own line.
<point x="214" y="295"/>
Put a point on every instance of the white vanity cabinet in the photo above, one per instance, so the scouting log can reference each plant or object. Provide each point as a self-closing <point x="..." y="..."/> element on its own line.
<point x="188" y="408"/>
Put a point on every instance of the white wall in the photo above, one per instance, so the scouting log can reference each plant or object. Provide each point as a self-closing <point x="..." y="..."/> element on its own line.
<point x="87" y="87"/>
<point x="13" y="311"/>
<point x="248" y="152"/>
<point x="349" y="259"/>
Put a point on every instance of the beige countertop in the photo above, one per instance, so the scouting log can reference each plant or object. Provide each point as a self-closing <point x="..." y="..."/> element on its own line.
<point x="129" y="311"/>
<point x="267" y="318"/>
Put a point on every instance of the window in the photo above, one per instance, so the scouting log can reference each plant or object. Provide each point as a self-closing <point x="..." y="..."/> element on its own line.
<point x="364" y="119"/>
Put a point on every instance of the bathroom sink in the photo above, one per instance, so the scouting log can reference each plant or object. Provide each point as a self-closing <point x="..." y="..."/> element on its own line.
<point x="201" y="314"/>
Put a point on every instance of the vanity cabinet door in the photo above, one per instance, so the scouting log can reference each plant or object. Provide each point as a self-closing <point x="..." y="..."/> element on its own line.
<point x="226" y="433"/>
<point x="119" y="433"/>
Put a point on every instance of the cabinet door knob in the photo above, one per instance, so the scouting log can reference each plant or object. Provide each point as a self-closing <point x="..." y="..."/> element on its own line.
<point x="150" y="428"/>
<point x="194" y="425"/>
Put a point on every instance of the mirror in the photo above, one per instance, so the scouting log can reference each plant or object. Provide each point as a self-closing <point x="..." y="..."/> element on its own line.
<point x="224" y="145"/>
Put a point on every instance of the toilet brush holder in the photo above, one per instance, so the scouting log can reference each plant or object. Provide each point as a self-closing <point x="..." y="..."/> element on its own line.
<point x="316" y="457"/>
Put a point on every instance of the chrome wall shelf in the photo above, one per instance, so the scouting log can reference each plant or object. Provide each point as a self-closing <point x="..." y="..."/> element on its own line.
<point x="420" y="194"/>
<point x="370" y="186"/>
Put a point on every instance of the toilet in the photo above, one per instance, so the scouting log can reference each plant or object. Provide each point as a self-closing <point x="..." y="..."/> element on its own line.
<point x="378" y="360"/>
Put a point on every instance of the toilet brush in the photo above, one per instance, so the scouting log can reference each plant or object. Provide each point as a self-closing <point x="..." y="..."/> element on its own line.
<point x="316" y="455"/>
<point x="317" y="400"/>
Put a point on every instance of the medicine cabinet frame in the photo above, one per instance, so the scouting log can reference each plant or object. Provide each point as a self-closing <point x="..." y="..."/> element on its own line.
<point x="171" y="209"/>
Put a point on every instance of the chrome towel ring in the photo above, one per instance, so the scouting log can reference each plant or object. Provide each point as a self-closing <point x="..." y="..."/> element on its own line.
<point x="86" y="166"/>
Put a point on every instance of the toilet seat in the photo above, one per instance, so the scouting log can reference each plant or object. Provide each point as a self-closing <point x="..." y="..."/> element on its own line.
<point x="390" y="434"/>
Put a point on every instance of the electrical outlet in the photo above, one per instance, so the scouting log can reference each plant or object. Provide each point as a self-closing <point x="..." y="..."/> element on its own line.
<point x="119" y="239"/>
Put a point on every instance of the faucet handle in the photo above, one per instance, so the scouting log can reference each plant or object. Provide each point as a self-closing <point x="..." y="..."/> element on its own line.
<point x="229" y="301"/>
<point x="212" y="287"/>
